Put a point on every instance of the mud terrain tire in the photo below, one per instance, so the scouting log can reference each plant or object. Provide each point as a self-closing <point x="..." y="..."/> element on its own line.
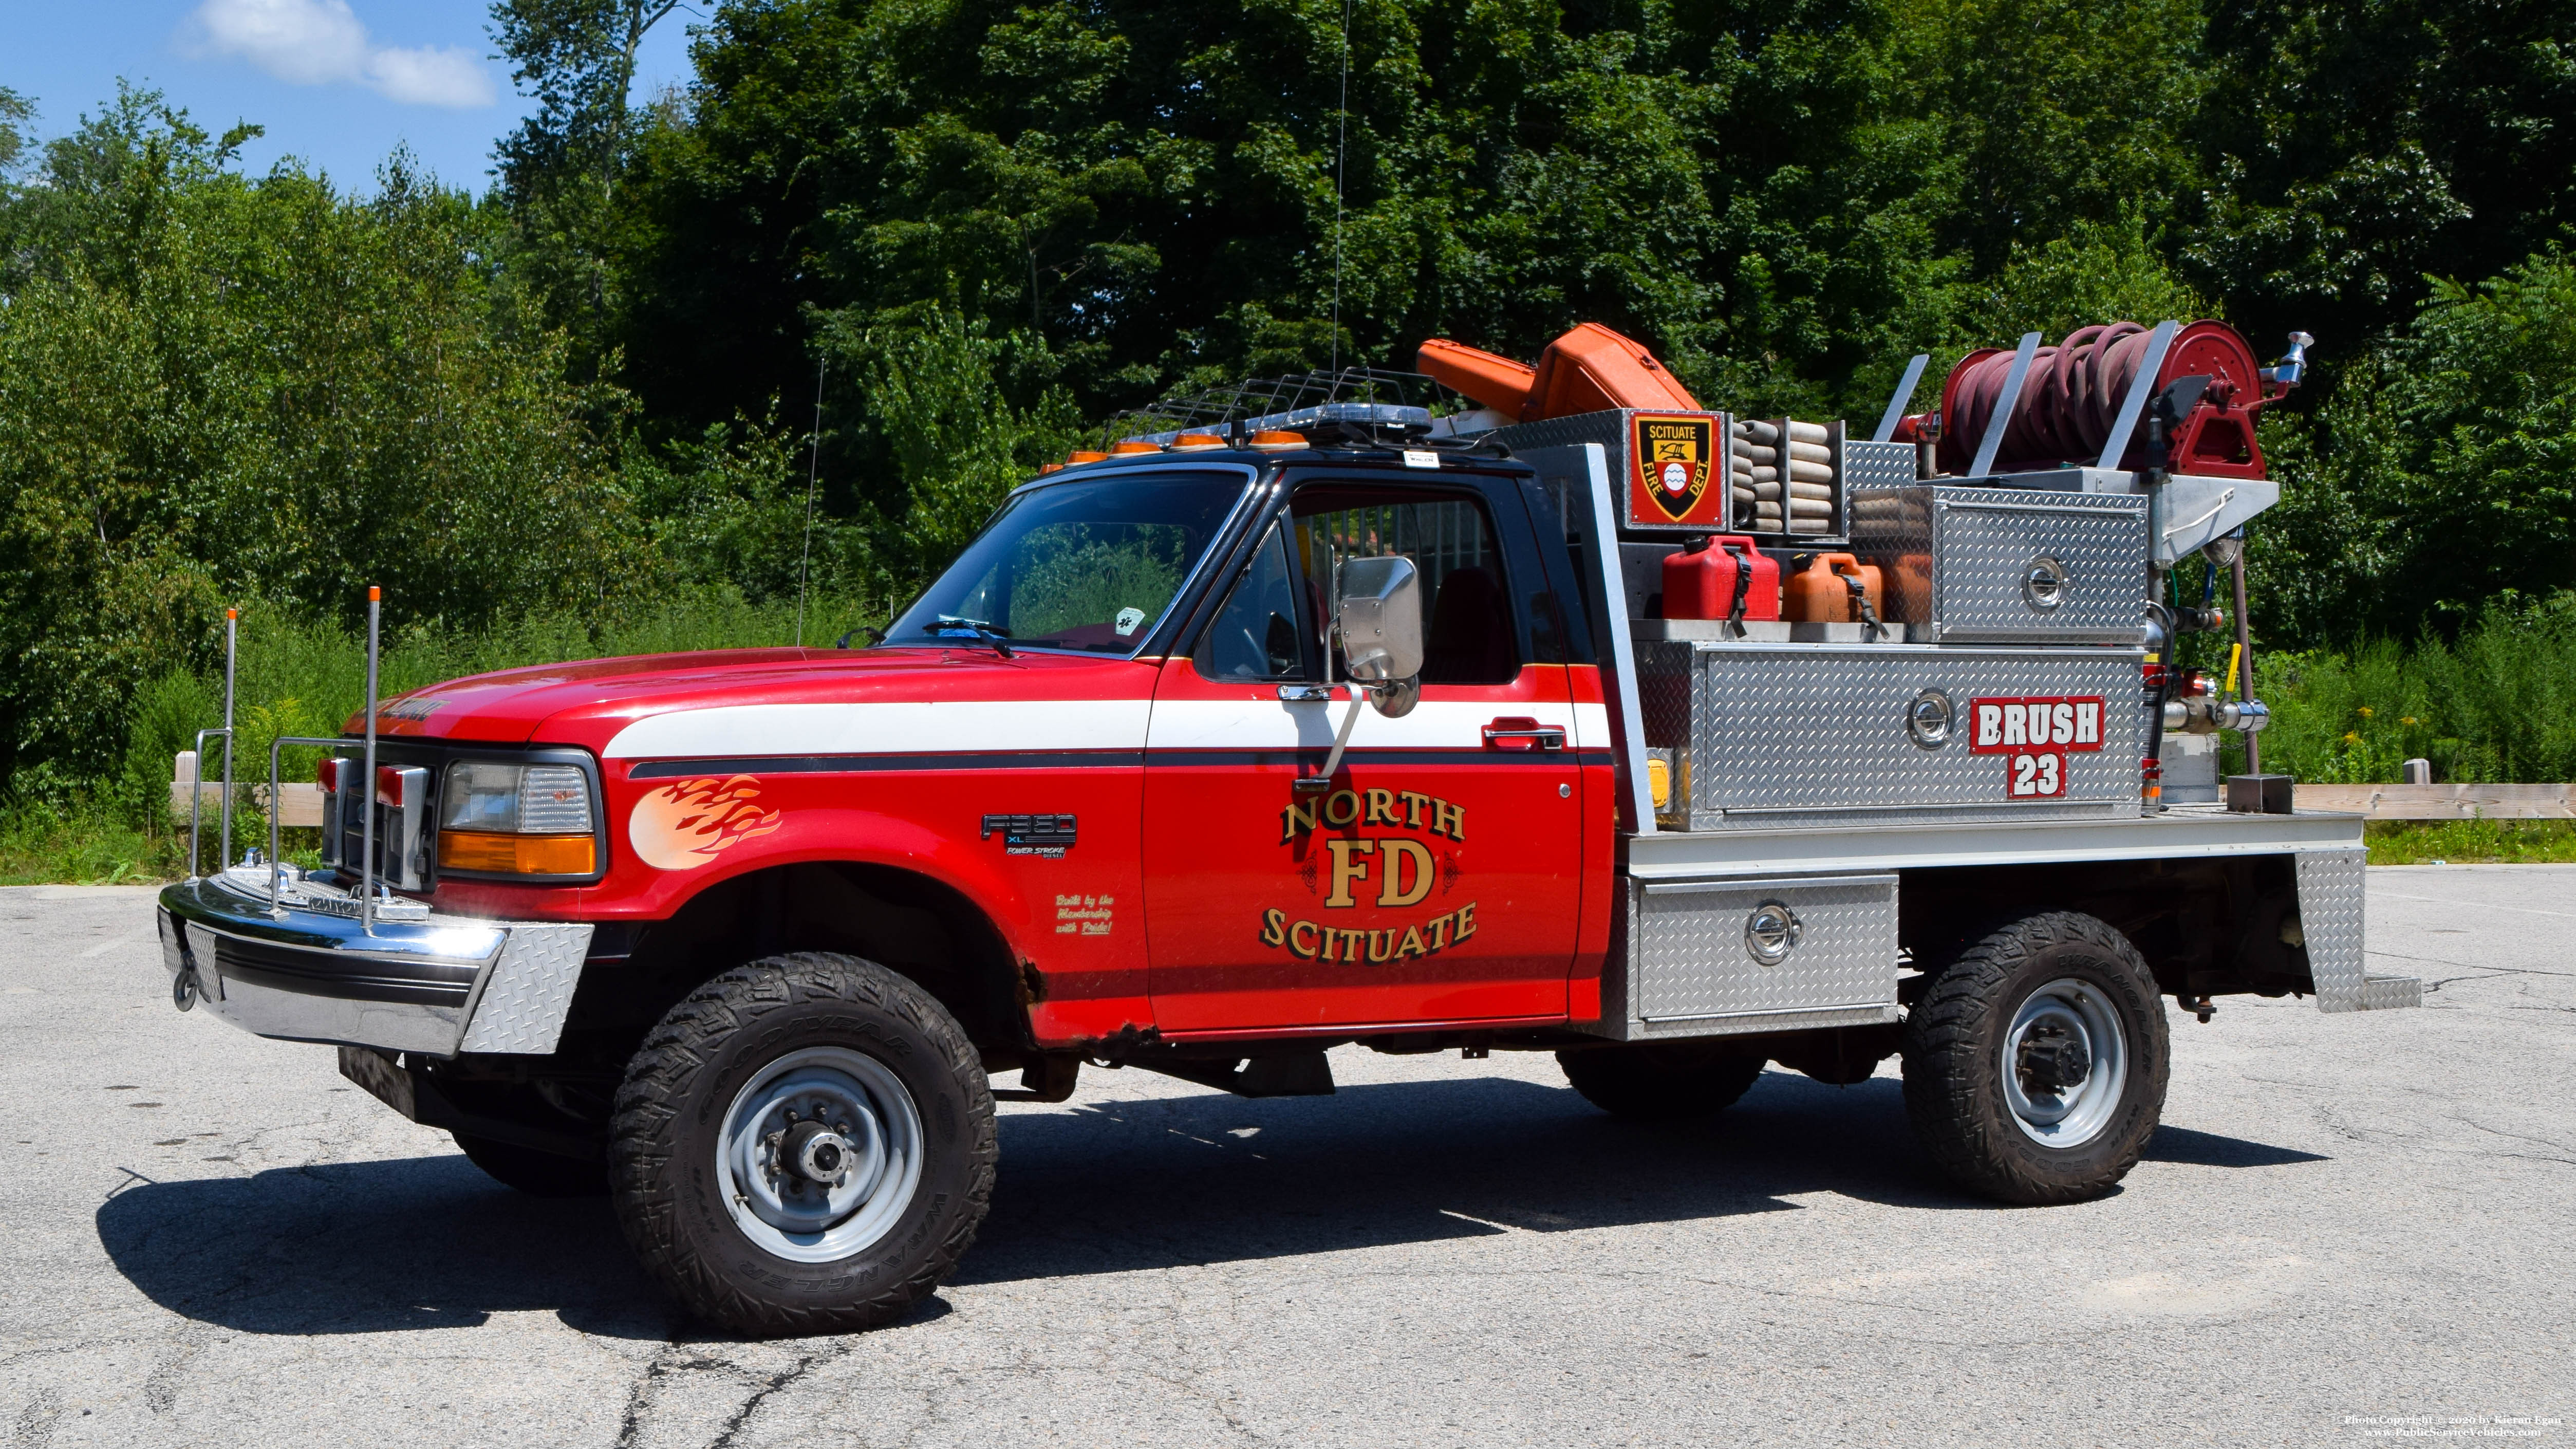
<point x="2035" y="1063"/>
<point x="706" y="1188"/>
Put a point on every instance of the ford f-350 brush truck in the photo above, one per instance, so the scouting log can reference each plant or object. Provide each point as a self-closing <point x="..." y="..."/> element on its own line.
<point x="1342" y="724"/>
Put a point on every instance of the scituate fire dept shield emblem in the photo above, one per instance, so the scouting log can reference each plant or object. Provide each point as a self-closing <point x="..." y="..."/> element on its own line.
<point x="1673" y="457"/>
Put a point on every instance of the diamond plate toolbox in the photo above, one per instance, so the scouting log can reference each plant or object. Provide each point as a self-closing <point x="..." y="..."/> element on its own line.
<point x="1714" y="957"/>
<point x="2008" y="565"/>
<point x="1771" y="735"/>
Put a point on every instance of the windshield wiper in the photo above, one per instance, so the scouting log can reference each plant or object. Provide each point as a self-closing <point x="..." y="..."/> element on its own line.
<point x="997" y="637"/>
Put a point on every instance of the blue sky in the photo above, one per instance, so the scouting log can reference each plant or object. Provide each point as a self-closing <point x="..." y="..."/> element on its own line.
<point x="338" y="83"/>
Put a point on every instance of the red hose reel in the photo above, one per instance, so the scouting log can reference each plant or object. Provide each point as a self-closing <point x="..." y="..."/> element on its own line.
<point x="2073" y="392"/>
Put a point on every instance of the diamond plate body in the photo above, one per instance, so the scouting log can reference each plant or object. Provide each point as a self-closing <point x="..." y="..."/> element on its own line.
<point x="529" y="990"/>
<point x="1957" y="562"/>
<point x="1692" y="973"/>
<point x="1814" y="734"/>
<point x="2330" y="915"/>
<point x="1868" y="464"/>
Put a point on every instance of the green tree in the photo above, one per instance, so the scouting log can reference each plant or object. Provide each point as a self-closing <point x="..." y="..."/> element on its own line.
<point x="217" y="388"/>
<point x="2353" y="146"/>
<point x="561" y="169"/>
<point x="2441" y="475"/>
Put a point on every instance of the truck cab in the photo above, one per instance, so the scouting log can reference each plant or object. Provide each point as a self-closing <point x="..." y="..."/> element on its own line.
<point x="1209" y="756"/>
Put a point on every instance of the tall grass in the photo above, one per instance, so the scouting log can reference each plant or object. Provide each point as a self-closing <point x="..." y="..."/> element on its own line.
<point x="299" y="676"/>
<point x="2497" y="705"/>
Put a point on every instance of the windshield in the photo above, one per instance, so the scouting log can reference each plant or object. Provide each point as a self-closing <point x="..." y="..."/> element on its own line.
<point x="1086" y="566"/>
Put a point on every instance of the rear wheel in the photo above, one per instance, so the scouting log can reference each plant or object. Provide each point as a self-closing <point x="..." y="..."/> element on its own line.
<point x="2035" y="1063"/>
<point x="1661" y="1081"/>
<point x="805" y="1145"/>
<point x="538" y="1174"/>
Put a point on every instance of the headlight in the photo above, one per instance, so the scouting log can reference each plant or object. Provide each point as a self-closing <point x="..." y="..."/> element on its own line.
<point x="517" y="820"/>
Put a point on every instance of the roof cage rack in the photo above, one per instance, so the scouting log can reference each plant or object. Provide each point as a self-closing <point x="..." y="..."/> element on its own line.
<point x="1380" y="405"/>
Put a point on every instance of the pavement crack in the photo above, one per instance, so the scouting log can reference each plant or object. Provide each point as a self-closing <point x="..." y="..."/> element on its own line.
<point x="161" y="1388"/>
<point x="775" y="1382"/>
<point x="35" y="1426"/>
<point x="639" y="1394"/>
<point x="2521" y="1137"/>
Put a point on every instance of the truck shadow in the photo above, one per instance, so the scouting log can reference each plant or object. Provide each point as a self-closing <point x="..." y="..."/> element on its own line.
<point x="1104" y="1186"/>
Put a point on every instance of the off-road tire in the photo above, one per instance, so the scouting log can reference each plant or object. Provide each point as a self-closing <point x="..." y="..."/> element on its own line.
<point x="1676" y="1081"/>
<point x="670" y="1112"/>
<point x="1954" y="1085"/>
<point x="538" y="1174"/>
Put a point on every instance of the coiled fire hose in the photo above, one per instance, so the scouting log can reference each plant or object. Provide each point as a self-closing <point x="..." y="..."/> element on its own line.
<point x="2067" y="402"/>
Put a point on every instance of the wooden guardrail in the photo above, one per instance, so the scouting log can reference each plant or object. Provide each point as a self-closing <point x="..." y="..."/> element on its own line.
<point x="299" y="802"/>
<point x="2442" y="802"/>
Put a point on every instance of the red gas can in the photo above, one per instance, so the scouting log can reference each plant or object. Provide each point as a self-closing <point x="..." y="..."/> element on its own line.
<point x="1725" y="577"/>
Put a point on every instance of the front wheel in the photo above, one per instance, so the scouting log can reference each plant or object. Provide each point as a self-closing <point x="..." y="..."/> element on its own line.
<point x="2035" y="1063"/>
<point x="805" y="1145"/>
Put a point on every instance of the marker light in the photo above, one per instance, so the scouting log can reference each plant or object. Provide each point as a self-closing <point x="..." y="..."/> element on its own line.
<point x="1272" y="440"/>
<point x="1083" y="455"/>
<point x="1133" y="446"/>
<point x="1197" y="442"/>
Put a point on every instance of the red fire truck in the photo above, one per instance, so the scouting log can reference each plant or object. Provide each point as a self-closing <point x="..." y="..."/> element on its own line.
<point x="1272" y="731"/>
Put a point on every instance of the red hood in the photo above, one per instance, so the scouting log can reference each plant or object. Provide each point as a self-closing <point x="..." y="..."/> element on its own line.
<point x="587" y="703"/>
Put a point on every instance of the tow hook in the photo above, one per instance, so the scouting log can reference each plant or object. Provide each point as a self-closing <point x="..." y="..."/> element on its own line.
<point x="183" y="989"/>
<point x="2204" y="1008"/>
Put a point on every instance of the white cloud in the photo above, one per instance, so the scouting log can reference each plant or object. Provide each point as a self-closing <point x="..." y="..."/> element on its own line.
<point x="320" y="42"/>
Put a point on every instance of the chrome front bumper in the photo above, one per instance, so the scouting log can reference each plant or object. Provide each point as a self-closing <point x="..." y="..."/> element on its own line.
<point x="438" y="985"/>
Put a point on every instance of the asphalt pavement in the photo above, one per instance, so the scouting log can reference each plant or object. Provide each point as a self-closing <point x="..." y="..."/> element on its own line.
<point x="2350" y="1229"/>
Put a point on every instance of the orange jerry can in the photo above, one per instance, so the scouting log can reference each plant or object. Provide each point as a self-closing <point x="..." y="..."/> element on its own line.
<point x="1820" y="595"/>
<point x="1725" y="577"/>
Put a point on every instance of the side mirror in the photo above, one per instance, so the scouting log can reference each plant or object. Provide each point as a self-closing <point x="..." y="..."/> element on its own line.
<point x="1380" y="620"/>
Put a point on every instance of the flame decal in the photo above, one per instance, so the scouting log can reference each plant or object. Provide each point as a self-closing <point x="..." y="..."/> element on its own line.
<point x="687" y="823"/>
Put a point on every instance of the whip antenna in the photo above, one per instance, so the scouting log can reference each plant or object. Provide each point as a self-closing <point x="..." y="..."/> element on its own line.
<point x="1341" y="156"/>
<point x="813" y="471"/>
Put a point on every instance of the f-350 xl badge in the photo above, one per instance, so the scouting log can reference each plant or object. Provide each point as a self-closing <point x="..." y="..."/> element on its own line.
<point x="1042" y="835"/>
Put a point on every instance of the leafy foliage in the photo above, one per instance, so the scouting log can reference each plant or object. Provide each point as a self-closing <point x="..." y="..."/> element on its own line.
<point x="2441" y="475"/>
<point x="214" y="387"/>
<point x="2499" y="704"/>
<point x="582" y="414"/>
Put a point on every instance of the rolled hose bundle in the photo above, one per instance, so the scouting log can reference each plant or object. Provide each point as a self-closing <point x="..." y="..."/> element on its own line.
<point x="1760" y="456"/>
<point x="1755" y="464"/>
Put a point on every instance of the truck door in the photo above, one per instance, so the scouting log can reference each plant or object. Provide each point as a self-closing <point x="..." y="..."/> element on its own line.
<point x="1438" y="879"/>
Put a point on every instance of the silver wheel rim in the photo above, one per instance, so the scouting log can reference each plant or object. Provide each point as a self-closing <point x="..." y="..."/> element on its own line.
<point x="874" y="1140"/>
<point x="2052" y="1106"/>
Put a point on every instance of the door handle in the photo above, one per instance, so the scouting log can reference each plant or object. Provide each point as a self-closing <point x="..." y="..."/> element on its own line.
<point x="1304" y="693"/>
<point x="1520" y="732"/>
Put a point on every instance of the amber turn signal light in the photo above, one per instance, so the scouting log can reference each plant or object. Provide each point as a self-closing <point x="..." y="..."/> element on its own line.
<point x="517" y="854"/>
